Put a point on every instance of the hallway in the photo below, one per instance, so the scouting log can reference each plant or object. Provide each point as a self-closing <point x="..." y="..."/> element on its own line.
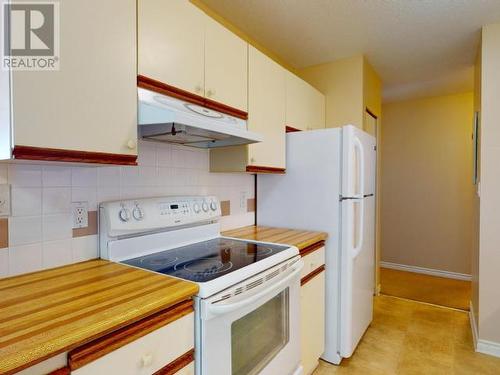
<point x="425" y="288"/>
<point x="411" y="338"/>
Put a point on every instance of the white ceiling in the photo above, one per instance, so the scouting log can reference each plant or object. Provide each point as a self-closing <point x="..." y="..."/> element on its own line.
<point x="419" y="47"/>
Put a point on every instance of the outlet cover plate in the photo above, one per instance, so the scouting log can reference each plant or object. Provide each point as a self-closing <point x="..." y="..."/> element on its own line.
<point x="4" y="200"/>
<point x="80" y="213"/>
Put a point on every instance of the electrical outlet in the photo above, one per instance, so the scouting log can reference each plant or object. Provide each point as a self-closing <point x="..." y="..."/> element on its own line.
<point x="80" y="211"/>
<point x="5" y="200"/>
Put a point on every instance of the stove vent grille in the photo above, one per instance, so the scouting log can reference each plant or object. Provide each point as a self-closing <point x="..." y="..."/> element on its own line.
<point x="254" y="282"/>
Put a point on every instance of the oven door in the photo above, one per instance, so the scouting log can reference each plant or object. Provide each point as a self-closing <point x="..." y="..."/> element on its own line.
<point x="254" y="327"/>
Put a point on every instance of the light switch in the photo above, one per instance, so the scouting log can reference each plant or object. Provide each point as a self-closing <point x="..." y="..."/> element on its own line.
<point x="5" y="200"/>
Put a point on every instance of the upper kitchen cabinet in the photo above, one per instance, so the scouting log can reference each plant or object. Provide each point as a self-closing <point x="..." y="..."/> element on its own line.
<point x="186" y="54"/>
<point x="305" y="106"/>
<point x="85" y="110"/>
<point x="226" y="66"/>
<point x="171" y="42"/>
<point x="266" y="116"/>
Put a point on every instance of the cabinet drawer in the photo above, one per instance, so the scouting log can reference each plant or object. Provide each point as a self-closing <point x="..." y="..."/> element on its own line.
<point x="312" y="261"/>
<point x="149" y="353"/>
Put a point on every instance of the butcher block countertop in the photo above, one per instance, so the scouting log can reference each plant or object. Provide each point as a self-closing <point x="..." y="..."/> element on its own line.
<point x="302" y="239"/>
<point x="49" y="312"/>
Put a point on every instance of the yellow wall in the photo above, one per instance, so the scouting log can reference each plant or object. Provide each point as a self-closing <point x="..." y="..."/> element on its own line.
<point x="427" y="190"/>
<point x="342" y="83"/>
<point x="372" y="90"/>
<point x="489" y="236"/>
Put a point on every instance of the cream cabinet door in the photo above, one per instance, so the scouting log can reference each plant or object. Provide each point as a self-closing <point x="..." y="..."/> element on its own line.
<point x="297" y="101"/>
<point x="171" y="36"/>
<point x="90" y="104"/>
<point x="316" y="109"/>
<point x="266" y="109"/>
<point x="305" y="106"/>
<point x="312" y="300"/>
<point x="226" y="66"/>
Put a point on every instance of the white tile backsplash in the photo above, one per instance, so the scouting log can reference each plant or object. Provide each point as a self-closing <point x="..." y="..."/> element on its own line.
<point x="56" y="176"/>
<point x="3" y="174"/>
<point x="57" y="253"/>
<point x="42" y="196"/>
<point x="56" y="227"/>
<point x="26" y="201"/>
<point x="23" y="259"/>
<point x="25" y="175"/>
<point x="25" y="230"/>
<point x="84" y="248"/>
<point x="56" y="200"/>
<point x="84" y="176"/>
<point x="4" y="262"/>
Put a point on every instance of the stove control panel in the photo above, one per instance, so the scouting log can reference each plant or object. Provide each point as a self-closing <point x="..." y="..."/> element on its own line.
<point x="148" y="214"/>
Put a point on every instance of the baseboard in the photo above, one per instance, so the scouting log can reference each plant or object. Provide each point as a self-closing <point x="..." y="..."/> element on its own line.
<point x="482" y="346"/>
<point x="426" y="271"/>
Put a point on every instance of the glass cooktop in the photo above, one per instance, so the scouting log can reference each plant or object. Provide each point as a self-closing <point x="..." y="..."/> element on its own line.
<point x="207" y="260"/>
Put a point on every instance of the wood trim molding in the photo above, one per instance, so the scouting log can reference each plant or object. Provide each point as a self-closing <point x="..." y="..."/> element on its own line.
<point x="177" y="364"/>
<point x="100" y="347"/>
<point x="165" y="89"/>
<point x="311" y="248"/>
<point x="61" y="371"/>
<point x="71" y="156"/>
<point x="311" y="275"/>
<point x="291" y="129"/>
<point x="261" y="169"/>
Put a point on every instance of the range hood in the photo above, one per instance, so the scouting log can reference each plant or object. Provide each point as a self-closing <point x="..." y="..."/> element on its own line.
<point x="166" y="119"/>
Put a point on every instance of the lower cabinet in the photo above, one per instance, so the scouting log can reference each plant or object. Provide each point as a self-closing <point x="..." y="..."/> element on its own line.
<point x="312" y="301"/>
<point x="166" y="350"/>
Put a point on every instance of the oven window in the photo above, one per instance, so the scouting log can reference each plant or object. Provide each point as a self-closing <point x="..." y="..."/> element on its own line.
<point x="257" y="337"/>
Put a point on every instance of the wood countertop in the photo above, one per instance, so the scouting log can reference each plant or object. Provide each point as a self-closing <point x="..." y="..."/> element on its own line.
<point x="49" y="312"/>
<point x="302" y="239"/>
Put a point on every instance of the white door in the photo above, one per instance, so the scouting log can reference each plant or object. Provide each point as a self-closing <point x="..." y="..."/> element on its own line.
<point x="358" y="234"/>
<point x="256" y="331"/>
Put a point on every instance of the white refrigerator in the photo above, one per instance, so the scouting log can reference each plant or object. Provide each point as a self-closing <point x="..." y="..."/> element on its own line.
<point x="329" y="186"/>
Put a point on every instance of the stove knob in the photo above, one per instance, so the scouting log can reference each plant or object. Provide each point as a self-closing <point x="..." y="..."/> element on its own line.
<point x="205" y="206"/>
<point x="213" y="206"/>
<point x="196" y="208"/>
<point x="138" y="213"/>
<point x="124" y="214"/>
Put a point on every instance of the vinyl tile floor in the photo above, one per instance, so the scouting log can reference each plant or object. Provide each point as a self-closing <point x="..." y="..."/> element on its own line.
<point x="412" y="338"/>
<point x="425" y="288"/>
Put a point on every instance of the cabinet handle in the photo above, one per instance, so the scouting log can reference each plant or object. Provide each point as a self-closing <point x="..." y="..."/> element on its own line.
<point x="210" y="93"/>
<point x="147" y="360"/>
<point x="252" y="160"/>
<point x="132" y="144"/>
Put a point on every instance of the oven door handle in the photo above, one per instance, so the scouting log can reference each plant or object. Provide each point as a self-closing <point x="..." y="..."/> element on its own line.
<point x="214" y="309"/>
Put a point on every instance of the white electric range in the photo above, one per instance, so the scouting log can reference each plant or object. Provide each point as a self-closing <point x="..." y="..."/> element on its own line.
<point x="247" y="309"/>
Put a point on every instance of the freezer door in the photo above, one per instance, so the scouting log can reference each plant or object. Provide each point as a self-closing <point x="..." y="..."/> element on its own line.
<point x="357" y="274"/>
<point x="358" y="162"/>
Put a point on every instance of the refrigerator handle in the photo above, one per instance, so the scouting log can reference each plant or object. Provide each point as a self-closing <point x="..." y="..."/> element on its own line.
<point x="361" y="170"/>
<point x="360" y="229"/>
<point x="361" y="217"/>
